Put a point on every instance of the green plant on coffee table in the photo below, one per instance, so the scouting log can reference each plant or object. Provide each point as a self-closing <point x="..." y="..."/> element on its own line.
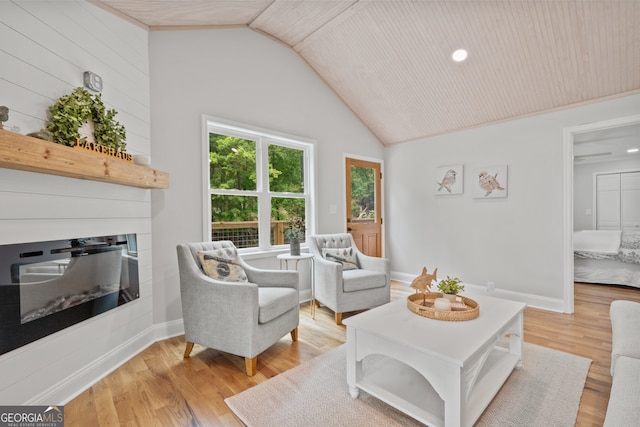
<point x="295" y="228"/>
<point x="450" y="285"/>
<point x="70" y="112"/>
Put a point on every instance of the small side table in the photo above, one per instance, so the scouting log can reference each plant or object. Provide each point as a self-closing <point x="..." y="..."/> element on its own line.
<point x="297" y="258"/>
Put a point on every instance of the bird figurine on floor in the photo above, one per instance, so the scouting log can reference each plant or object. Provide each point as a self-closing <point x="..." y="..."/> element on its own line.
<point x="448" y="180"/>
<point x="422" y="283"/>
<point x="489" y="182"/>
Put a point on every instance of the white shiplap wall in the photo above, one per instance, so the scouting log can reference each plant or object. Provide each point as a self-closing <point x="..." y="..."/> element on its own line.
<point x="45" y="47"/>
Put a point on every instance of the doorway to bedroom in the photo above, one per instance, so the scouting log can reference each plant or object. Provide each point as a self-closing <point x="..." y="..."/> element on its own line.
<point x="598" y="158"/>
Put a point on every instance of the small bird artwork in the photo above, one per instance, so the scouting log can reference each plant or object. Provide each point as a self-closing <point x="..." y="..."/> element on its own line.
<point x="489" y="182"/>
<point x="422" y="283"/>
<point x="448" y="180"/>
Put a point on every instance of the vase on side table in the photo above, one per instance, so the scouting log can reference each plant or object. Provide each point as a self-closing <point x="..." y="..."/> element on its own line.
<point x="294" y="246"/>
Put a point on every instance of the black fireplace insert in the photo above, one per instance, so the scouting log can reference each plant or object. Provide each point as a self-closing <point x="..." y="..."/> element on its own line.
<point x="50" y="285"/>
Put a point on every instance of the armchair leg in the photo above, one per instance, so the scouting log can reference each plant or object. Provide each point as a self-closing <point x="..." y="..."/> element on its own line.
<point x="338" y="318"/>
<point x="251" y="363"/>
<point x="294" y="335"/>
<point x="187" y="350"/>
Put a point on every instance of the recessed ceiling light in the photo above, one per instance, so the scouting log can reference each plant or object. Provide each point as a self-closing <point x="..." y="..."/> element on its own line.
<point x="459" y="55"/>
<point x="632" y="150"/>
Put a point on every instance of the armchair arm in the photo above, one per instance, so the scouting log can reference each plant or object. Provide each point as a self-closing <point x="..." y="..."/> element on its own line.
<point x="328" y="280"/>
<point x="373" y="263"/>
<point x="272" y="278"/>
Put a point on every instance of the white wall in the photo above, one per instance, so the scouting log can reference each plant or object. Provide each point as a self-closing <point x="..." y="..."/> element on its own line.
<point x="515" y="242"/>
<point x="238" y="75"/>
<point x="583" y="188"/>
<point x="44" y="49"/>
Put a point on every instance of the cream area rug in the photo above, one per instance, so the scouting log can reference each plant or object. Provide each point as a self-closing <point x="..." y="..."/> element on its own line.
<point x="545" y="392"/>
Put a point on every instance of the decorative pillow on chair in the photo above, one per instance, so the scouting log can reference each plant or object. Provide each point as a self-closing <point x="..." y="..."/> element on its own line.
<point x="345" y="256"/>
<point x="222" y="264"/>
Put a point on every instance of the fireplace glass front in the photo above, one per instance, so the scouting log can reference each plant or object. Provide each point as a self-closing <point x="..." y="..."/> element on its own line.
<point x="48" y="286"/>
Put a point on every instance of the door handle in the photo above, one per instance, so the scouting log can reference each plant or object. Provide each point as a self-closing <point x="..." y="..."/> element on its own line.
<point x="349" y="229"/>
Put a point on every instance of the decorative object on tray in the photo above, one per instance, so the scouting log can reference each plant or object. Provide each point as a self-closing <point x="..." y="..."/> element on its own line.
<point x="442" y="304"/>
<point x="422" y="283"/>
<point x="294" y="232"/>
<point x="4" y="114"/>
<point x="450" y="287"/>
<point x="464" y="309"/>
<point x="434" y="304"/>
<point x="82" y="120"/>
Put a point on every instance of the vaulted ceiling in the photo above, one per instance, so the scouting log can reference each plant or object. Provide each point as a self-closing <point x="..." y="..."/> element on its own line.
<point x="390" y="60"/>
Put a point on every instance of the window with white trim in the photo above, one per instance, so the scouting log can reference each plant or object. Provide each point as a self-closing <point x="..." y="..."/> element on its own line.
<point x="257" y="181"/>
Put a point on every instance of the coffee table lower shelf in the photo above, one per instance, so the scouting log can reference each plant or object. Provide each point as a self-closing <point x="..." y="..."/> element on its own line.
<point x="402" y="387"/>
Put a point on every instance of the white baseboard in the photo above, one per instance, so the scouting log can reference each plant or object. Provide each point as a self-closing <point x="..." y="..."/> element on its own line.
<point x="537" y="301"/>
<point x="84" y="378"/>
<point x="90" y="374"/>
<point x="166" y="330"/>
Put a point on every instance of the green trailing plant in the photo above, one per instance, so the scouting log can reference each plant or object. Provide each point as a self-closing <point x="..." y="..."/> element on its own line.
<point x="450" y="285"/>
<point x="295" y="228"/>
<point x="70" y="112"/>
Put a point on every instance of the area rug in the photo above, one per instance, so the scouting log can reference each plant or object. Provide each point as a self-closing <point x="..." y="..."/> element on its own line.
<point x="546" y="391"/>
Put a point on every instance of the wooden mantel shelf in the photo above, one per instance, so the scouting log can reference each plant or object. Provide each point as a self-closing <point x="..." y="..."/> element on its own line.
<point x="36" y="155"/>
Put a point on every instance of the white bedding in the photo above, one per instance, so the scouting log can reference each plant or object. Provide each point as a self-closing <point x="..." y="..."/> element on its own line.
<point x="607" y="272"/>
<point x="597" y="241"/>
<point x="607" y="257"/>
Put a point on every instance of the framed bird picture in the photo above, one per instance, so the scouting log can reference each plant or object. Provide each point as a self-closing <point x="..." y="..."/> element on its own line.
<point x="449" y="179"/>
<point x="490" y="182"/>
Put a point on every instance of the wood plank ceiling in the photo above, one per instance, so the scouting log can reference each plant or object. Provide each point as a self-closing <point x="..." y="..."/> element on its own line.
<point x="390" y="61"/>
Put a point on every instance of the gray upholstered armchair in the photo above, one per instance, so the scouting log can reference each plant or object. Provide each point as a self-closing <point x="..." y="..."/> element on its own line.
<point x="345" y="278"/>
<point x="244" y="316"/>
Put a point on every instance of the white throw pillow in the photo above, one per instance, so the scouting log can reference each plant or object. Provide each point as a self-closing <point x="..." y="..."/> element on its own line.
<point x="344" y="256"/>
<point x="222" y="264"/>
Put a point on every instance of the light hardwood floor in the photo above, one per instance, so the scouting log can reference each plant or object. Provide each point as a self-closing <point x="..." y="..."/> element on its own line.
<point x="160" y="388"/>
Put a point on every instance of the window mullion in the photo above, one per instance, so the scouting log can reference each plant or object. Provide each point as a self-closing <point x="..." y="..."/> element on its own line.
<point x="264" y="199"/>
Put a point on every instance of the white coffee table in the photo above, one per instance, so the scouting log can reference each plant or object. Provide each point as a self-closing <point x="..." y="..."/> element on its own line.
<point x="441" y="373"/>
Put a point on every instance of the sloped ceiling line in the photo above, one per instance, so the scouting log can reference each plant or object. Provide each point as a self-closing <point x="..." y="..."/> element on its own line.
<point x="390" y="61"/>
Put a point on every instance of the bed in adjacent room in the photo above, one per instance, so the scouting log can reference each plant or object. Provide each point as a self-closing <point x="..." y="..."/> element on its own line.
<point x="610" y="257"/>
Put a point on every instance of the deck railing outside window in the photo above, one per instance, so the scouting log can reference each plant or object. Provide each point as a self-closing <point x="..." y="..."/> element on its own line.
<point x="244" y="234"/>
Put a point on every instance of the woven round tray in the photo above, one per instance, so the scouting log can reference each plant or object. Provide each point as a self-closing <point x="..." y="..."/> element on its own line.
<point x="414" y="303"/>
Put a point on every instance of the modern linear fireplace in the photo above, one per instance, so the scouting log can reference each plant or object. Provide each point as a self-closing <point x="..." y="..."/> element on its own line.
<point x="48" y="286"/>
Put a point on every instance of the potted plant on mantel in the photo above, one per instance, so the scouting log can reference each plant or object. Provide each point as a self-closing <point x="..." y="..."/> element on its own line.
<point x="70" y="113"/>
<point x="450" y="287"/>
<point x="294" y="232"/>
